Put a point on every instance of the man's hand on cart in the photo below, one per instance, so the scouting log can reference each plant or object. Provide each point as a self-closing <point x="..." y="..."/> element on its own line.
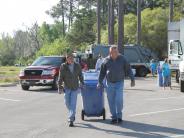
<point x="99" y="86"/>
<point x="61" y="89"/>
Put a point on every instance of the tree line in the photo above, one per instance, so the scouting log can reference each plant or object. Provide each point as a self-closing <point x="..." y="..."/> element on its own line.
<point x="75" y="27"/>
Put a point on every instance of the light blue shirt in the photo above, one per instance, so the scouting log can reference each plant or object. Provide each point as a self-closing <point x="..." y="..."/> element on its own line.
<point x="99" y="63"/>
<point x="153" y="66"/>
<point x="166" y="70"/>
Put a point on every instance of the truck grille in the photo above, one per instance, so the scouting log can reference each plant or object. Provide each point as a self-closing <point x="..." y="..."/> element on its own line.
<point x="32" y="81"/>
<point x="33" y="72"/>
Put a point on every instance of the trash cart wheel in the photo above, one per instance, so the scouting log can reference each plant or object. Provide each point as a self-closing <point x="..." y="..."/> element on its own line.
<point x="82" y="114"/>
<point x="103" y="113"/>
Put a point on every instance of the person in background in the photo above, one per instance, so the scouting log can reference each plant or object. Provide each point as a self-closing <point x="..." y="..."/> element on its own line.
<point x="90" y="62"/>
<point x="83" y="65"/>
<point x="99" y="63"/>
<point x="114" y="68"/>
<point x="166" y="73"/>
<point x="70" y="74"/>
<point x="159" y="73"/>
<point x="153" y="67"/>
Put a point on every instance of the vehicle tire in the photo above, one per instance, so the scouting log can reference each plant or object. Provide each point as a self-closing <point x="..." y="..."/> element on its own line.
<point x="177" y="76"/>
<point x="82" y="114"/>
<point x="182" y="86"/>
<point x="25" y="87"/>
<point x="142" y="72"/>
<point x="55" y="83"/>
<point x="104" y="115"/>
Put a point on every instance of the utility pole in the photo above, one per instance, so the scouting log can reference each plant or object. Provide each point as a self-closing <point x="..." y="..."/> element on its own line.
<point x="98" y="22"/>
<point x="171" y="7"/>
<point x="138" y="22"/>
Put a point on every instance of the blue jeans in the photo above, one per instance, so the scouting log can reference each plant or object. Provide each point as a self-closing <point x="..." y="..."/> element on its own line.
<point x="115" y="98"/>
<point x="70" y="97"/>
<point x="166" y="81"/>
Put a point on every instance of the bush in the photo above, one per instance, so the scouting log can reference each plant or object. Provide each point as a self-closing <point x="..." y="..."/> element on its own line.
<point x="58" y="47"/>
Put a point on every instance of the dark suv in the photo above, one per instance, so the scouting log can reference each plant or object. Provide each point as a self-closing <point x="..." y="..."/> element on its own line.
<point x="43" y="72"/>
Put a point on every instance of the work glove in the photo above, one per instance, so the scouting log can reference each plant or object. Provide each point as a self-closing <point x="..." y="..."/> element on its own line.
<point x="132" y="83"/>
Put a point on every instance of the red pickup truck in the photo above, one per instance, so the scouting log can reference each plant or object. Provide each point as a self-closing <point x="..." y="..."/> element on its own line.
<point x="43" y="72"/>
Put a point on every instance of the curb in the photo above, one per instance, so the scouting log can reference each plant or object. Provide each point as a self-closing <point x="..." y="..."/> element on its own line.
<point x="8" y="84"/>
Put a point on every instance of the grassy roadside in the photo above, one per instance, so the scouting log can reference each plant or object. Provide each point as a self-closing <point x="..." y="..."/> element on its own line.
<point x="9" y="74"/>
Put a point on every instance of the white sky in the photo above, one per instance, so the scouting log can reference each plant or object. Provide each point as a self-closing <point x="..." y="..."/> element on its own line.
<point x="19" y="14"/>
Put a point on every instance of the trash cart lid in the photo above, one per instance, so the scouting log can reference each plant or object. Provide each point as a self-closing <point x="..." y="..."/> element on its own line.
<point x="91" y="75"/>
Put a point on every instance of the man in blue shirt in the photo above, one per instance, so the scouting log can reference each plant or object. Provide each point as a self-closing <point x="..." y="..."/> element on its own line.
<point x="153" y="67"/>
<point x="166" y="73"/>
<point x="114" y="68"/>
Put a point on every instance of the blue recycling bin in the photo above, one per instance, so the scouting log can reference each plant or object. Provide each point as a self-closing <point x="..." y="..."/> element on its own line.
<point x="93" y="98"/>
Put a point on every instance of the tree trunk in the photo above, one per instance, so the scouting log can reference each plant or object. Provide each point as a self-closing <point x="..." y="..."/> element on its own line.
<point x="98" y="22"/>
<point x="104" y="9"/>
<point x="70" y="20"/>
<point x="69" y="24"/>
<point x="111" y="22"/>
<point x="138" y="22"/>
<point x="171" y="10"/>
<point x="104" y="4"/>
<point x="63" y="17"/>
<point x="121" y="26"/>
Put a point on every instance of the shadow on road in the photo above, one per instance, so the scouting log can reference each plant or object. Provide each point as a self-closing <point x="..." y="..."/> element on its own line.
<point x="140" y="130"/>
<point x="43" y="90"/>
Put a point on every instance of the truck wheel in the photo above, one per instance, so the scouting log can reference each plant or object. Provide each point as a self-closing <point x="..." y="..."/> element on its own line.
<point x="25" y="87"/>
<point x="182" y="86"/>
<point x="82" y="114"/>
<point x="142" y="72"/>
<point x="55" y="83"/>
<point x="177" y="76"/>
<point x="104" y="115"/>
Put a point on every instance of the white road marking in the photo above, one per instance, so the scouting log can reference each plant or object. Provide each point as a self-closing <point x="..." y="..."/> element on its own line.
<point x="13" y="100"/>
<point x="175" y="136"/>
<point x="149" y="113"/>
<point x="156" y="99"/>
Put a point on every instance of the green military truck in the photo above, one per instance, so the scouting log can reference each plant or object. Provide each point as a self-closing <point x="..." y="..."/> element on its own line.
<point x="138" y="56"/>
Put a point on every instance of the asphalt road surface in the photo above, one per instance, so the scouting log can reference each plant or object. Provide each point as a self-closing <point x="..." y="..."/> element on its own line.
<point x="149" y="112"/>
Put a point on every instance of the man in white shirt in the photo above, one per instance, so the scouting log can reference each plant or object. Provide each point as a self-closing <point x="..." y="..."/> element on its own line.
<point x="99" y="63"/>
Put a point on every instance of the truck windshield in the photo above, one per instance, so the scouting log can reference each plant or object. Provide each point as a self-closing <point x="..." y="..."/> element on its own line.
<point x="48" y="61"/>
<point x="176" y="48"/>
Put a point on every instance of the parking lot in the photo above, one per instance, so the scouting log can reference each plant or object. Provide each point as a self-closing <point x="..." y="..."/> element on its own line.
<point x="149" y="112"/>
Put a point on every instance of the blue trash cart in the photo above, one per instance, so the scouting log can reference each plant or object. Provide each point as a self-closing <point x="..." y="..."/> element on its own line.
<point x="93" y="98"/>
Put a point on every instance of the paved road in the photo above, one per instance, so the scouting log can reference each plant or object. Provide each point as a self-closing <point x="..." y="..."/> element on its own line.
<point x="149" y="112"/>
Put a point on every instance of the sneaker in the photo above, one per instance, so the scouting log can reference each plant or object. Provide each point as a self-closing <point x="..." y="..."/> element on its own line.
<point x="71" y="124"/>
<point x="71" y="119"/>
<point x="113" y="121"/>
<point x="119" y="120"/>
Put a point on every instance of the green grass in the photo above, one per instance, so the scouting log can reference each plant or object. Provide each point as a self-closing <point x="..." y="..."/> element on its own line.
<point x="9" y="80"/>
<point x="9" y="74"/>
